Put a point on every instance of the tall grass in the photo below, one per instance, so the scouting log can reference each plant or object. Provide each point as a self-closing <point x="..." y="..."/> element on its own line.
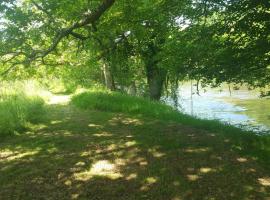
<point x="20" y="103"/>
<point x="246" y="142"/>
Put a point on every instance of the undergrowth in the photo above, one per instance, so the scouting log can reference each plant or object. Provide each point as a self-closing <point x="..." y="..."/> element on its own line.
<point x="20" y="103"/>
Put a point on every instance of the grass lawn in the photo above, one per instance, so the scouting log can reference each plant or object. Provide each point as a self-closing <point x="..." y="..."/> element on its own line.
<point x="95" y="154"/>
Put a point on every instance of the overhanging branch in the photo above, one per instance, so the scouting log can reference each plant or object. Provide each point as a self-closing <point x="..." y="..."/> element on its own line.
<point x="90" y="18"/>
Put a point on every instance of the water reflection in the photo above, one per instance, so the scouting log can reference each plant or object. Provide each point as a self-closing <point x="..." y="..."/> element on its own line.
<point x="219" y="103"/>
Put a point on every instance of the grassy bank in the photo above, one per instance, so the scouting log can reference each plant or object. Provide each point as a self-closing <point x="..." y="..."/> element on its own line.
<point x="135" y="152"/>
<point x="20" y="104"/>
<point x="245" y="142"/>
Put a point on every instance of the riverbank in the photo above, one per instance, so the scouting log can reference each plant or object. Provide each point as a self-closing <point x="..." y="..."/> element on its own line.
<point x="242" y="107"/>
<point x="120" y="147"/>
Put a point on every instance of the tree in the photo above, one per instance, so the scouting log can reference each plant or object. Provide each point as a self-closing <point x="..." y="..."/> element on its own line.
<point x="152" y="42"/>
<point x="35" y="29"/>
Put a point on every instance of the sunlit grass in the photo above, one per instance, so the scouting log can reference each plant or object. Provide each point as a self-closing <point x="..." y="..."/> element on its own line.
<point x="90" y="154"/>
<point x="20" y="103"/>
<point x="103" y="168"/>
<point x="102" y="100"/>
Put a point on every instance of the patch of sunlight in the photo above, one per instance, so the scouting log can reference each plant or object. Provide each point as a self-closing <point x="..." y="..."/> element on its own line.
<point x="251" y="170"/>
<point x="124" y="120"/>
<point x="66" y="133"/>
<point x="120" y="162"/>
<point x="59" y="99"/>
<point x="132" y="121"/>
<point x="197" y="150"/>
<point x="242" y="160"/>
<point x="132" y="153"/>
<point x="98" y="151"/>
<point x="131" y="176"/>
<point x="111" y="147"/>
<point x="68" y="183"/>
<point x="61" y="133"/>
<point x="60" y="175"/>
<point x="151" y="180"/>
<point x="130" y="143"/>
<point x="156" y="153"/>
<point x="8" y="155"/>
<point x="101" y="168"/>
<point x="148" y="182"/>
<point x="75" y="196"/>
<point x="248" y="188"/>
<point x="237" y="147"/>
<point x="86" y="153"/>
<point x="56" y="122"/>
<point x="95" y="126"/>
<point x="119" y="153"/>
<point x="52" y="150"/>
<point x="176" y="198"/>
<point x="80" y="163"/>
<point x="139" y="159"/>
<point x="80" y="90"/>
<point x="265" y="181"/>
<point x="176" y="183"/>
<point x="143" y="163"/>
<point x="39" y="126"/>
<point x="193" y="177"/>
<point x="103" y="134"/>
<point x="129" y="136"/>
<point x="206" y="170"/>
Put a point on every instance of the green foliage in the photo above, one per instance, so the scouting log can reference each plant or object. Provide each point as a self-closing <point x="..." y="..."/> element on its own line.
<point x="212" y="41"/>
<point x="17" y="109"/>
<point x="116" y="102"/>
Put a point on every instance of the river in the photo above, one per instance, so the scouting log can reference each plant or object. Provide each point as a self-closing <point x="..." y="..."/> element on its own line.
<point x="242" y="107"/>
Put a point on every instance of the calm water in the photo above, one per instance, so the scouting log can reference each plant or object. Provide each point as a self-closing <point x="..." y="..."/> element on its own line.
<point x="242" y="108"/>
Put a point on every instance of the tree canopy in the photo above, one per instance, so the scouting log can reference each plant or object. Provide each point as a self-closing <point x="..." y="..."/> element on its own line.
<point x="147" y="45"/>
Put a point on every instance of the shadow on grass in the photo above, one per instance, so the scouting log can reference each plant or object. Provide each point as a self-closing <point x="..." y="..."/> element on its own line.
<point x="101" y="155"/>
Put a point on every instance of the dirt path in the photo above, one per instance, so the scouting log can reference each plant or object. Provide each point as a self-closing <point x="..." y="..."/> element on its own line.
<point x="96" y="155"/>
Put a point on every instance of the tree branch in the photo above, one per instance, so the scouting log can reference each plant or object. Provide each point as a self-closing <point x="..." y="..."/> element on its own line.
<point x="79" y="36"/>
<point x="88" y="19"/>
<point x="4" y="73"/>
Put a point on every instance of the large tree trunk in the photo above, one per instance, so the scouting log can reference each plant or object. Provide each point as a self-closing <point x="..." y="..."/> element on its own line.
<point x="155" y="80"/>
<point x="108" y="78"/>
<point x="132" y="89"/>
<point x="156" y="75"/>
